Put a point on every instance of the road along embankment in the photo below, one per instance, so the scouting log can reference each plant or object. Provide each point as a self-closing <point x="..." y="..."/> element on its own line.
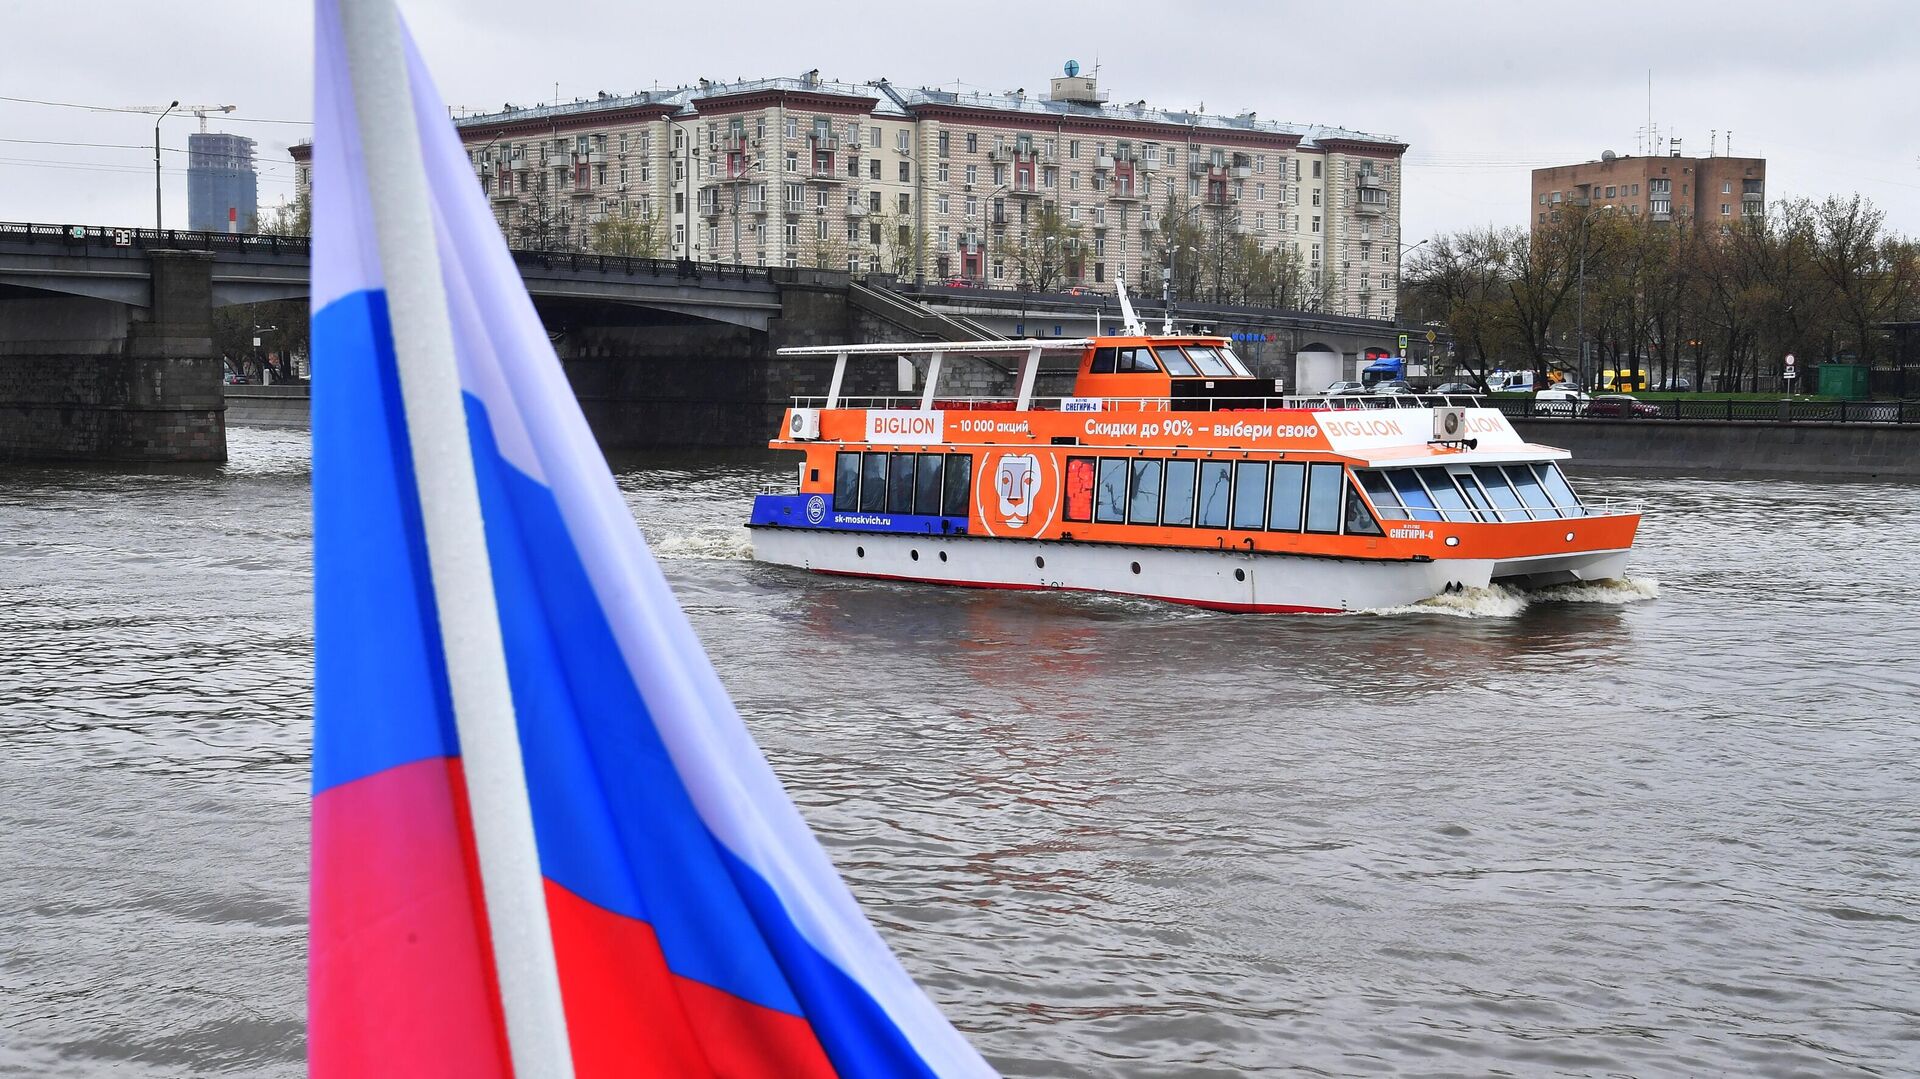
<point x="1706" y="447"/>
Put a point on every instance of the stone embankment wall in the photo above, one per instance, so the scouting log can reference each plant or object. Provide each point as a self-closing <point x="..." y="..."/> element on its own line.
<point x="1713" y="447"/>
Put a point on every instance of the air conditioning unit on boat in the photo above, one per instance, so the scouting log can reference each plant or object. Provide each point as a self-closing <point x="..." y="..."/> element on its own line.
<point x="1449" y="424"/>
<point x="804" y="424"/>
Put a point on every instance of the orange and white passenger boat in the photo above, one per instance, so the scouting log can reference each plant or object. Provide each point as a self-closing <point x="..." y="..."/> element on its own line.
<point x="1171" y="472"/>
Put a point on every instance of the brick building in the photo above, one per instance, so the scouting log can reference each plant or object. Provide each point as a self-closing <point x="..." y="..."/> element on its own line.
<point x="1706" y="189"/>
<point x="932" y="183"/>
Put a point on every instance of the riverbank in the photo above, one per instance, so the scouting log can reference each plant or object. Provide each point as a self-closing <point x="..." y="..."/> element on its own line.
<point x="1718" y="447"/>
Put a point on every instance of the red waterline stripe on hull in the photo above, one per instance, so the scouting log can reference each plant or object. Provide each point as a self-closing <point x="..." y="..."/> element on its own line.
<point x="1211" y="605"/>
<point x="628" y="1015"/>
<point x="400" y="971"/>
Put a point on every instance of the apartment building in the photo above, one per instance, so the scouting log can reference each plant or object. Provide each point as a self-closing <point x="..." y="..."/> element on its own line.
<point x="935" y="183"/>
<point x="1707" y="190"/>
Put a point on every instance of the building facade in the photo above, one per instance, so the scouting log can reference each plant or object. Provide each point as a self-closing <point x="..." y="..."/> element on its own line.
<point x="223" y="190"/>
<point x="1707" y="190"/>
<point x="1000" y="190"/>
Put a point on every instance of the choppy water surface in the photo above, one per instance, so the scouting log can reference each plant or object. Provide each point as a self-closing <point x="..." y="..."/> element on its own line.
<point x="1677" y="835"/>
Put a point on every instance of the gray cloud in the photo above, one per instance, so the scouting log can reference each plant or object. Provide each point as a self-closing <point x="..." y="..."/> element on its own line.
<point x="1482" y="91"/>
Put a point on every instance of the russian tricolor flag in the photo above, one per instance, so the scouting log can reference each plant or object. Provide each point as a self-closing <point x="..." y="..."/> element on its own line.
<point x="543" y="841"/>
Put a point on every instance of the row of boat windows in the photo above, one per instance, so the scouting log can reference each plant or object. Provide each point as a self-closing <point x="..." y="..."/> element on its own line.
<point x="1247" y="496"/>
<point x="923" y="483"/>
<point x="1189" y="361"/>
<point x="1523" y="492"/>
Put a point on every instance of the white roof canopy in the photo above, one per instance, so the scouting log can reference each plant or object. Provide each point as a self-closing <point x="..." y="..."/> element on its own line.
<point x="950" y="348"/>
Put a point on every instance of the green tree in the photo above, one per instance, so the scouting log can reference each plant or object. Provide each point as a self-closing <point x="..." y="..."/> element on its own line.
<point x="1043" y="251"/>
<point x="624" y="232"/>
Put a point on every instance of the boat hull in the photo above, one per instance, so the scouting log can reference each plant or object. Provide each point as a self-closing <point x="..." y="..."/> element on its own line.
<point x="1218" y="579"/>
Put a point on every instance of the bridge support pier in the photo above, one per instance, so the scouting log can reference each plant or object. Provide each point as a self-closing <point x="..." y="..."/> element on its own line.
<point x="84" y="379"/>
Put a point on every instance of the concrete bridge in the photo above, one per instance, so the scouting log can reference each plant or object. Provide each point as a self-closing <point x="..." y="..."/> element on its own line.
<point x="106" y="347"/>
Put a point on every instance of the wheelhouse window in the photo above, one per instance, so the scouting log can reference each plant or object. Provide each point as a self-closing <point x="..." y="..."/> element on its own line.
<point x="1104" y="360"/>
<point x="1324" y="482"/>
<point x="1208" y="361"/>
<point x="846" y="482"/>
<point x="926" y="483"/>
<point x="1143" y="503"/>
<point x="1110" y="491"/>
<point x="1176" y="507"/>
<point x="1532" y="494"/>
<point x="1380" y="490"/>
<point x="1176" y="360"/>
<point x="1413" y="495"/>
<point x="1506" y="504"/>
<point x="1560" y="490"/>
<point x="957" y="485"/>
<point x="873" y="483"/>
<point x="1288" y="488"/>
<point x="1135" y="360"/>
<point x="900" y="484"/>
<point x="1216" y="483"/>
<point x="1359" y="521"/>
<point x="1461" y="493"/>
<point x="1453" y="504"/>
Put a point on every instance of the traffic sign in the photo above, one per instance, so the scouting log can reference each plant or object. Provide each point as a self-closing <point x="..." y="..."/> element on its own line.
<point x="1432" y="337"/>
<point x="1403" y="340"/>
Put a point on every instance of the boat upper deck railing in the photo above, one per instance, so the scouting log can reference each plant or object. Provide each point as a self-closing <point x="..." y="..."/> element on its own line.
<point x="1588" y="507"/>
<point x="1314" y="403"/>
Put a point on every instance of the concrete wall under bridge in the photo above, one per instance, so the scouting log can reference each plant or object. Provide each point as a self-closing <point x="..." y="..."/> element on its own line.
<point x="1708" y="447"/>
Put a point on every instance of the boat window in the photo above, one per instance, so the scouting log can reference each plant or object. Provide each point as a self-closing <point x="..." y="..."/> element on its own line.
<point x="846" y="482"/>
<point x="1506" y="504"/>
<point x="1208" y="360"/>
<point x="1359" y="521"/>
<point x="900" y="484"/>
<point x="958" y="484"/>
<point x="1324" y="483"/>
<point x="1531" y="493"/>
<point x="1233" y="362"/>
<point x="1249" y="494"/>
<point x="1110" y="491"/>
<point x="1079" y="488"/>
<point x="1103" y="361"/>
<point x="1413" y="496"/>
<point x="1143" y="505"/>
<point x="1216" y="479"/>
<point x="1284" y="496"/>
<point x="1476" y="498"/>
<point x="873" y="483"/>
<point x="1557" y="486"/>
<point x="1177" y="507"/>
<point x="1176" y="361"/>
<point x="1385" y="502"/>
<point x="926" y="484"/>
<point x="1453" y="504"/>
<point x="1133" y="360"/>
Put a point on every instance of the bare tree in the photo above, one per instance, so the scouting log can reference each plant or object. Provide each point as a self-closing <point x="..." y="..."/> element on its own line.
<point x="1043" y="250"/>
<point x="624" y="232"/>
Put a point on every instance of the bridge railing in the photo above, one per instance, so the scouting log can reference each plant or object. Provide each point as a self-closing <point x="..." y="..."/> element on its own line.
<point x="83" y="236"/>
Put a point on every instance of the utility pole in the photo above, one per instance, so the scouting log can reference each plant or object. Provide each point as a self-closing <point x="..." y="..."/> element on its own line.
<point x="157" y="225"/>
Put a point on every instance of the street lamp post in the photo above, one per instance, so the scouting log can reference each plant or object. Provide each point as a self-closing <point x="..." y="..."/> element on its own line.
<point x="157" y="226"/>
<point x="737" y="181"/>
<point x="1166" y="271"/>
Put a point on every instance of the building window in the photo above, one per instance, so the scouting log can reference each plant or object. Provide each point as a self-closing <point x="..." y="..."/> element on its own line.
<point x="793" y="233"/>
<point x="973" y="144"/>
<point x="973" y="175"/>
<point x="942" y="205"/>
<point x="906" y="202"/>
<point x="793" y="127"/>
<point x="902" y="140"/>
<point x="945" y="144"/>
<point x="906" y="172"/>
<point x="944" y="167"/>
<point x="1725" y="210"/>
<point x="1316" y="222"/>
<point x="793" y="161"/>
<point x="1316" y="170"/>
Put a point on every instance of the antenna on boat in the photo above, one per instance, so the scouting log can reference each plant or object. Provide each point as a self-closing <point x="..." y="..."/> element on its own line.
<point x="1130" y="323"/>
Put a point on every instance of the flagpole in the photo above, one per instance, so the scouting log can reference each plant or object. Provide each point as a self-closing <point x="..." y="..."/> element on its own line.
<point x="437" y="436"/>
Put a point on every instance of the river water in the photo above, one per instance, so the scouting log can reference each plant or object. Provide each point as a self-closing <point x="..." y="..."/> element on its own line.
<point x="1667" y="828"/>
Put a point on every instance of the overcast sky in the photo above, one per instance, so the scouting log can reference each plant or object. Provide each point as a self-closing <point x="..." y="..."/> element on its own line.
<point x="1482" y="92"/>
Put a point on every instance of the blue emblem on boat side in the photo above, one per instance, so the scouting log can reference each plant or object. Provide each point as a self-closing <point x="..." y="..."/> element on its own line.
<point x="816" y="511"/>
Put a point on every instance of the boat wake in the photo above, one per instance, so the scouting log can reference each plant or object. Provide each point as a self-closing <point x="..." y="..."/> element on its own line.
<point x="1506" y="601"/>
<point x="718" y="543"/>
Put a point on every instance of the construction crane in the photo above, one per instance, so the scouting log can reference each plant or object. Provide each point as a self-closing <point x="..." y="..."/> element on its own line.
<point x="198" y="110"/>
<point x="161" y="111"/>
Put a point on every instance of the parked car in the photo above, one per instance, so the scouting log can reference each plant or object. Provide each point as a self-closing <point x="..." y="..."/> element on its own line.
<point x="959" y="282"/>
<point x="1676" y="385"/>
<point x="1559" y="401"/>
<point x="1339" y="389"/>
<point x="1393" y="385"/>
<point x="1622" y="406"/>
<point x="1457" y="388"/>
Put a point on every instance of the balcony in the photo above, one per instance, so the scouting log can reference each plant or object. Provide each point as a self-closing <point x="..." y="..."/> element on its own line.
<point x="1752" y="196"/>
<point x="825" y="176"/>
<point x="1242" y="172"/>
<point x="735" y="143"/>
<point x="824" y="142"/>
<point x="1104" y="161"/>
<point x="1149" y="224"/>
<point x="1119" y="194"/>
<point x="1370" y="209"/>
<point x="796" y="207"/>
<point x="857" y="209"/>
<point x="1025" y="191"/>
<point x="1369" y="181"/>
